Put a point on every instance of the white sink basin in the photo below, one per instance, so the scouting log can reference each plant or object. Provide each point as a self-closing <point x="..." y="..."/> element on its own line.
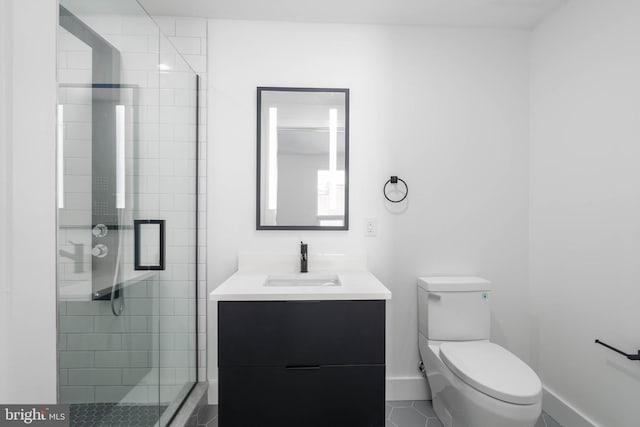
<point x="303" y="279"/>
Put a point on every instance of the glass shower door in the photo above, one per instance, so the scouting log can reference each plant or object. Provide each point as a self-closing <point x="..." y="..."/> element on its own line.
<point x="178" y="204"/>
<point x="126" y="217"/>
<point x="107" y="284"/>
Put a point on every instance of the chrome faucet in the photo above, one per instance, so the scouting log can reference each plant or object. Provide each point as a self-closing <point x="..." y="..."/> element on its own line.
<point x="303" y="257"/>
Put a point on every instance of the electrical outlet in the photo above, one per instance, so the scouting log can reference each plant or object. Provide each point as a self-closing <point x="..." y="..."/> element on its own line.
<point x="370" y="227"/>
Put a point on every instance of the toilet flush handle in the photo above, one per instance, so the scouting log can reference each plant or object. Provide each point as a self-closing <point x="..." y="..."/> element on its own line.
<point x="435" y="296"/>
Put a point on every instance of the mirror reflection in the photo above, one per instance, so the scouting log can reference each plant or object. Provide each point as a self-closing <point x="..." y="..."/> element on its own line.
<point x="302" y="159"/>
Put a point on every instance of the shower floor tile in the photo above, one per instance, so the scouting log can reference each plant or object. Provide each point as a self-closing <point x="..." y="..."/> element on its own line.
<point x="114" y="415"/>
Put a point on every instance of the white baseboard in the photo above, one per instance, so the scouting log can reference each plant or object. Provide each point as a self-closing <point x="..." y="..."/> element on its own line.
<point x="563" y="412"/>
<point x="398" y="388"/>
<point x="407" y="388"/>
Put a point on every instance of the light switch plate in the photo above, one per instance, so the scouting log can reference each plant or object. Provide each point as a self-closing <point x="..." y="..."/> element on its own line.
<point x="370" y="226"/>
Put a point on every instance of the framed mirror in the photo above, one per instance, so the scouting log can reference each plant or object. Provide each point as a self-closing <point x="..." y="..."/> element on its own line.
<point x="302" y="159"/>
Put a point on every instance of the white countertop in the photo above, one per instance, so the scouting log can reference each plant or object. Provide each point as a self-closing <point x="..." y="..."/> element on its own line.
<point x="248" y="286"/>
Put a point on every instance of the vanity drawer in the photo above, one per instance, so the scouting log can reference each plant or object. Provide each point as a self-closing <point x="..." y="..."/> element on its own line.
<point x="283" y="333"/>
<point x="337" y="396"/>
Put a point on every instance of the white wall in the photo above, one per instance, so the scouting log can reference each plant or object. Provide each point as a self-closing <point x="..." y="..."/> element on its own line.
<point x="447" y="110"/>
<point x="6" y="29"/>
<point x="585" y="207"/>
<point x="27" y="187"/>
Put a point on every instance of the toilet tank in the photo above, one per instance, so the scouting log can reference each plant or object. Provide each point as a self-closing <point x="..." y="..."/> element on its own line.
<point x="454" y="308"/>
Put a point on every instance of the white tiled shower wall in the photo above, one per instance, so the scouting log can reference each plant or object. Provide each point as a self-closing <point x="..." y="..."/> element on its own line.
<point x="101" y="356"/>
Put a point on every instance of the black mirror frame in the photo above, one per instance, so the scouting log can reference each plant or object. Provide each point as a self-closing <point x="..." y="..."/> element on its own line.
<point x="344" y="227"/>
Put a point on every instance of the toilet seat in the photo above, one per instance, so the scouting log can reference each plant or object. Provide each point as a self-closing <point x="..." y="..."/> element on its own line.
<point x="492" y="370"/>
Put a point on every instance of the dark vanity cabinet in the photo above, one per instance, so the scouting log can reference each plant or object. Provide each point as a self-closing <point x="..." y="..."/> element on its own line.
<point x="301" y="363"/>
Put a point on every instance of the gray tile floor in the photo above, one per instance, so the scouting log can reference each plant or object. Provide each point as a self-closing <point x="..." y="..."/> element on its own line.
<point x="419" y="413"/>
<point x="400" y="413"/>
<point x="207" y="416"/>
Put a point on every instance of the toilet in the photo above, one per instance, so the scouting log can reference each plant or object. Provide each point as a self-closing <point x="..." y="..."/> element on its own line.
<point x="474" y="382"/>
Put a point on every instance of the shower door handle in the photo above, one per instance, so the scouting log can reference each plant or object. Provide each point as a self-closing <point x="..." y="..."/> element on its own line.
<point x="149" y="244"/>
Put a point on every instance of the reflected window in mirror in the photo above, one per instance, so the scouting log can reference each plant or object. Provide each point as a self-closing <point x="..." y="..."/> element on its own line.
<point x="303" y="159"/>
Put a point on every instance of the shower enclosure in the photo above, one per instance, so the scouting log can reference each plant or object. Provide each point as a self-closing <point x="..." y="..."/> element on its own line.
<point x="127" y="228"/>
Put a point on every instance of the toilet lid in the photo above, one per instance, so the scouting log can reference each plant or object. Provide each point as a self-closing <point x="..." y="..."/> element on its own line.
<point x="492" y="370"/>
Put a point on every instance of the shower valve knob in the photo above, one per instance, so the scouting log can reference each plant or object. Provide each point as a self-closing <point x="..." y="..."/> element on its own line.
<point x="100" y="250"/>
<point x="100" y="230"/>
